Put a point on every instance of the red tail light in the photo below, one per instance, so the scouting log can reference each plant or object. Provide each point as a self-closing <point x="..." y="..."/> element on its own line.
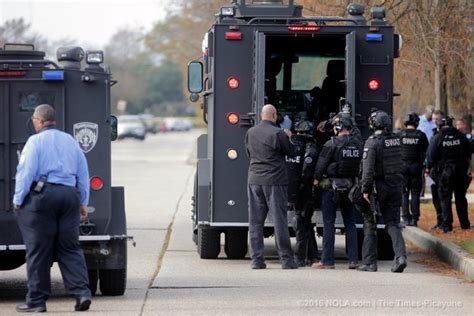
<point x="96" y="183"/>
<point x="374" y="84"/>
<point x="12" y="73"/>
<point x="233" y="118"/>
<point x="303" y="28"/>
<point x="233" y="36"/>
<point x="233" y="83"/>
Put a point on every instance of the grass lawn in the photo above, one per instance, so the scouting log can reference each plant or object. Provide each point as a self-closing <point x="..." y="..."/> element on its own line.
<point x="468" y="246"/>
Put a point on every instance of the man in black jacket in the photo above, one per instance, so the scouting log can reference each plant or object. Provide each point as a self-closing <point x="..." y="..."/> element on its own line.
<point x="382" y="175"/>
<point x="267" y="145"/>
<point x="414" y="144"/>
<point x="449" y="155"/>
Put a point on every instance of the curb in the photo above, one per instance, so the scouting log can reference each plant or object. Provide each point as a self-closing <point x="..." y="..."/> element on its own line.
<point x="445" y="250"/>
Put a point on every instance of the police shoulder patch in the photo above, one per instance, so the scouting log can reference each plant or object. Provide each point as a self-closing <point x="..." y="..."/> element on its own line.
<point x="366" y="152"/>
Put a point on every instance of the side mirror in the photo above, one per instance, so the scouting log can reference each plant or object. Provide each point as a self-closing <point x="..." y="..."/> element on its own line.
<point x="113" y="128"/>
<point x="194" y="97"/>
<point x="195" y="73"/>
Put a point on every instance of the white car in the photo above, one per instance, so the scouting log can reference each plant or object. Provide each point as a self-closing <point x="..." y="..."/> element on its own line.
<point x="130" y="126"/>
<point x="177" y="124"/>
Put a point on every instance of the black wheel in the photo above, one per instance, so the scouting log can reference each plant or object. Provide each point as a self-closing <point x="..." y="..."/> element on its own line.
<point x="236" y="245"/>
<point x="93" y="280"/>
<point x="384" y="245"/>
<point x="209" y="243"/>
<point x="10" y="260"/>
<point x="113" y="282"/>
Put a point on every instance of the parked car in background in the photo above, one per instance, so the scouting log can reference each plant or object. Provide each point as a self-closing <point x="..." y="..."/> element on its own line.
<point x="178" y="124"/>
<point x="131" y="126"/>
<point x="150" y="123"/>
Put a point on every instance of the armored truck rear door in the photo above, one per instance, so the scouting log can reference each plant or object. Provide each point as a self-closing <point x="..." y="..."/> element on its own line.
<point x="259" y="74"/>
<point x="19" y="99"/>
<point x="350" y="75"/>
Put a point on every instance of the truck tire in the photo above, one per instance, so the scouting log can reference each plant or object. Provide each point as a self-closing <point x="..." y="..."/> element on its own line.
<point x="209" y="243"/>
<point x="113" y="282"/>
<point x="93" y="280"/>
<point x="10" y="260"/>
<point x="384" y="245"/>
<point x="236" y="244"/>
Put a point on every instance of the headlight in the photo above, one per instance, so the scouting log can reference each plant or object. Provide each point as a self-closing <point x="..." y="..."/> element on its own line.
<point x="94" y="57"/>
<point x="227" y="11"/>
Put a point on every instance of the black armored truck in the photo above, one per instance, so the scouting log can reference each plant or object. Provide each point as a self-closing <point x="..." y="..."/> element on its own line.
<point x="78" y="87"/>
<point x="266" y="51"/>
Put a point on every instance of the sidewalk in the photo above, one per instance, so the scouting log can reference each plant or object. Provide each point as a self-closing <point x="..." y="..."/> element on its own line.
<point x="446" y="250"/>
<point x="427" y="198"/>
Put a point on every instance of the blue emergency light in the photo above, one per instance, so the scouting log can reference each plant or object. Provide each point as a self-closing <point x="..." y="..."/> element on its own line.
<point x="53" y="75"/>
<point x="374" y="37"/>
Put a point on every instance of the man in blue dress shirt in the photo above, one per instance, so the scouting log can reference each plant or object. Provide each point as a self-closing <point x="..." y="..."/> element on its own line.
<point x="51" y="196"/>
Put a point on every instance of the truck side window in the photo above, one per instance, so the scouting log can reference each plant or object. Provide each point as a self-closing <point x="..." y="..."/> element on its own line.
<point x="31" y="99"/>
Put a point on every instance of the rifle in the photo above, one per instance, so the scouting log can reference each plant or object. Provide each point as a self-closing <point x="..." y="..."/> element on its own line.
<point x="374" y="204"/>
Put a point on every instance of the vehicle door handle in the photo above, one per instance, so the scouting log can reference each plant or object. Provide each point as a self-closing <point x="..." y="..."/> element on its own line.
<point x="247" y="119"/>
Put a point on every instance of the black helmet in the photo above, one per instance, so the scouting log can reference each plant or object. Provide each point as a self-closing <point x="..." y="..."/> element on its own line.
<point x="342" y="120"/>
<point x="446" y="120"/>
<point x="411" y="118"/>
<point x="379" y="120"/>
<point x="304" y="127"/>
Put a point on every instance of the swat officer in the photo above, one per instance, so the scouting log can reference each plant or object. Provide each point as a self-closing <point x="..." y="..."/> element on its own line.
<point x="381" y="185"/>
<point x="267" y="145"/>
<point x="449" y="156"/>
<point x="51" y="172"/>
<point x="336" y="172"/>
<point x="300" y="193"/>
<point x="414" y="144"/>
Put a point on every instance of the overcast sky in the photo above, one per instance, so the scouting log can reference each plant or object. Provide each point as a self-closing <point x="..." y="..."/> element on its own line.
<point x="86" y="21"/>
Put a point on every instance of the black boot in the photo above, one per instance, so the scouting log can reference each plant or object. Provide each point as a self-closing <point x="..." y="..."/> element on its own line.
<point x="368" y="267"/>
<point x="400" y="264"/>
<point x="26" y="308"/>
<point x="82" y="304"/>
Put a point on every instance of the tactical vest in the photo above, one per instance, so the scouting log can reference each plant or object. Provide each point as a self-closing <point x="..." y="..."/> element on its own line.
<point x="295" y="166"/>
<point x="347" y="157"/>
<point x="450" y="146"/>
<point x="411" y="141"/>
<point x="389" y="166"/>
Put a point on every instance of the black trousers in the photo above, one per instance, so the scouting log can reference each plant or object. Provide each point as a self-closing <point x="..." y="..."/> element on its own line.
<point x="437" y="204"/>
<point x="49" y="223"/>
<point x="412" y="187"/>
<point x="458" y="186"/>
<point x="306" y="248"/>
<point x="389" y="199"/>
<point x="273" y="199"/>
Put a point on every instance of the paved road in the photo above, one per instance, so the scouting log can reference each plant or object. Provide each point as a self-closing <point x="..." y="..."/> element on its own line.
<point x="166" y="276"/>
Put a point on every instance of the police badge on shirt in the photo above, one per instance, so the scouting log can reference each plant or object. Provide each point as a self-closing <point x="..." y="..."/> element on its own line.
<point x="86" y="134"/>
